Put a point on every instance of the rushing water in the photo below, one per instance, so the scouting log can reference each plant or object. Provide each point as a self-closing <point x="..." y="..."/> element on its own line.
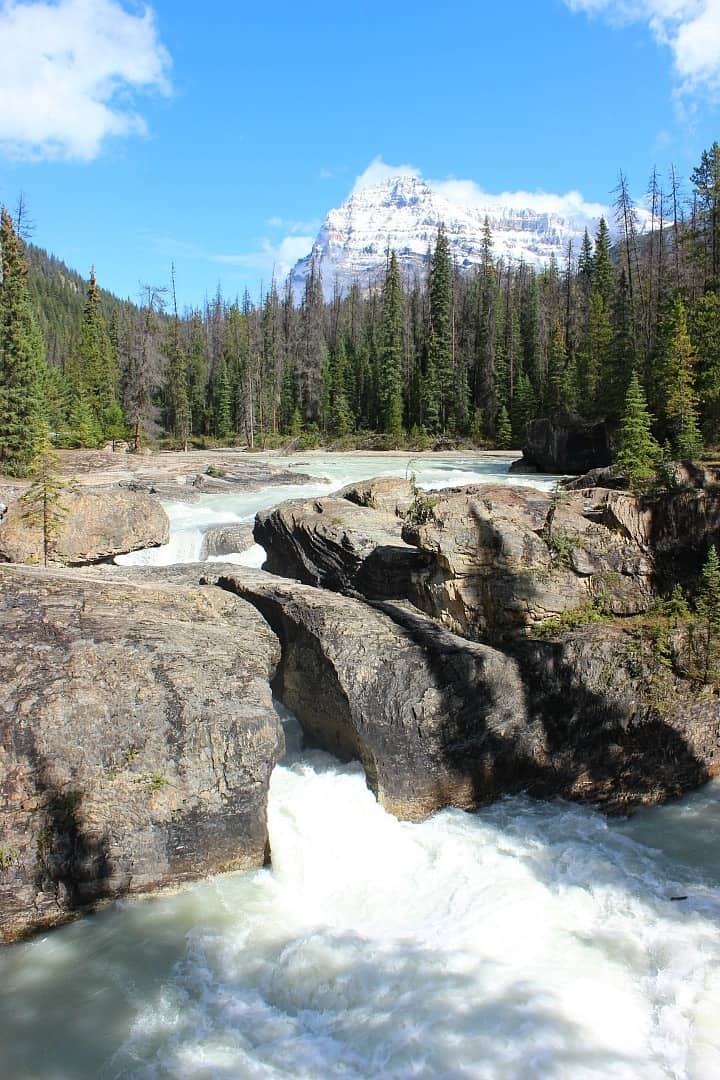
<point x="525" y="940"/>
<point x="188" y="522"/>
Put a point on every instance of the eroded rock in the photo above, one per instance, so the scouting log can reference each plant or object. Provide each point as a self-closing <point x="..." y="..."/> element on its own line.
<point x="339" y="545"/>
<point x="96" y="525"/>
<point x="487" y="560"/>
<point x="138" y="737"/>
<point x="226" y="540"/>
<point x="438" y="720"/>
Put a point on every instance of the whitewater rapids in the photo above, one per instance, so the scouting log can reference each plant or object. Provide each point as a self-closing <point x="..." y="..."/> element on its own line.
<point x="527" y="939"/>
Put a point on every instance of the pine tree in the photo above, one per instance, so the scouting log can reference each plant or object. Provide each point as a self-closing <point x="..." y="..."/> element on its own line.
<point x="43" y="501"/>
<point x="503" y="437"/>
<point x="391" y="352"/>
<point x="706" y="636"/>
<point x="440" y="349"/>
<point x="639" y="453"/>
<point x="21" y="362"/>
<point x="679" y="384"/>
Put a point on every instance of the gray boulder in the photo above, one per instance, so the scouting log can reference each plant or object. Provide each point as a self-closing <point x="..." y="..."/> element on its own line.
<point x="96" y="526"/>
<point x="137" y="737"/>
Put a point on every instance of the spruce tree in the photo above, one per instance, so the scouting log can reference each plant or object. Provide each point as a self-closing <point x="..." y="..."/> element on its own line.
<point x="602" y="268"/>
<point x="223" y="423"/>
<point x="391" y="352"/>
<point x="524" y="408"/>
<point x="21" y="362"/>
<point x="595" y="357"/>
<point x="177" y="378"/>
<point x="639" y="453"/>
<point x="43" y="501"/>
<point x="440" y="348"/>
<point x="706" y="636"/>
<point x="679" y="384"/>
<point x="93" y="371"/>
<point x="503" y="437"/>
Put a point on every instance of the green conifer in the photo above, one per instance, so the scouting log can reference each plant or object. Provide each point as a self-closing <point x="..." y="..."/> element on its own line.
<point x="391" y="352"/>
<point x="706" y="636"/>
<point x="21" y="361"/>
<point x="43" y="501"/>
<point x="679" y="383"/>
<point x="639" y="453"/>
<point x="503" y="438"/>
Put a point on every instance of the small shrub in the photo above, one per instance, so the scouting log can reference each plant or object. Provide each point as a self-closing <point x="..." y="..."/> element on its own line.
<point x="422" y="507"/>
<point x="8" y="857"/>
<point x="582" y="615"/>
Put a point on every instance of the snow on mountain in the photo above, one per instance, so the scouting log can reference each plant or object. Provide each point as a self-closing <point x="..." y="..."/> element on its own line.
<point x="404" y="213"/>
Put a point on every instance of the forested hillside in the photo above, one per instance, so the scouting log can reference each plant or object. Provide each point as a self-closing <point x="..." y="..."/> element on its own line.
<point x="476" y="354"/>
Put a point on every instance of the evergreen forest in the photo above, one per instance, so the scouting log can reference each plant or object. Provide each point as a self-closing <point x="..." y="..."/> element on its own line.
<point x="631" y="318"/>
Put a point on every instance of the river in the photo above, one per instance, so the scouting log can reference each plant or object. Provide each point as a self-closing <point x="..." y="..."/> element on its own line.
<point x="527" y="939"/>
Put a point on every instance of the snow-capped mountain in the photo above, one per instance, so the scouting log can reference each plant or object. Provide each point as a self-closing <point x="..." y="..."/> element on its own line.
<point x="404" y="214"/>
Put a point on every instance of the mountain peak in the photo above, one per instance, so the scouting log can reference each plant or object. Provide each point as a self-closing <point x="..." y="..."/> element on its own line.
<point x="404" y="213"/>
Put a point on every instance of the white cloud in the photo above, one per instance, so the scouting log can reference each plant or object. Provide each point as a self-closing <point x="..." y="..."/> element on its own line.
<point x="571" y="205"/>
<point x="378" y="170"/>
<point x="67" y="75"/>
<point x="690" y="28"/>
<point x="467" y="193"/>
<point x="276" y="258"/>
<point x="293" y="227"/>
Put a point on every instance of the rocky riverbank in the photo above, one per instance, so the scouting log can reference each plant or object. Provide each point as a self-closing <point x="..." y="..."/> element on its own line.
<point x="461" y="644"/>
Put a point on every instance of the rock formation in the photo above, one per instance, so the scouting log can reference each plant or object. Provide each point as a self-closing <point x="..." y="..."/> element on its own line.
<point x="487" y="561"/>
<point x="96" y="525"/>
<point x="226" y="540"/>
<point x="342" y="546"/>
<point x="138" y="737"/>
<point x="566" y="443"/>
<point x="438" y="720"/>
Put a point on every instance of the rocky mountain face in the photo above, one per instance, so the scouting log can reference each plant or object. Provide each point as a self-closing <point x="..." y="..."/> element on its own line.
<point x="404" y="213"/>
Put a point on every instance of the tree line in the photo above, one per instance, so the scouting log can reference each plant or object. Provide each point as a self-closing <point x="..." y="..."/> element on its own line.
<point x="460" y="354"/>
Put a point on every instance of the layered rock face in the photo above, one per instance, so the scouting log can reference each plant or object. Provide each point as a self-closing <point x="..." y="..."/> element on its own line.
<point x="505" y="559"/>
<point x="438" y="720"/>
<point x="138" y="737"/>
<point x="340" y="545"/>
<point x="488" y="561"/>
<point x="96" y="525"/>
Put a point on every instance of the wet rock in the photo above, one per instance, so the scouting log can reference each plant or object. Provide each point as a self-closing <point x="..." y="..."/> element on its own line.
<point x="96" y="525"/>
<point x="137" y="740"/>
<point x="226" y="540"/>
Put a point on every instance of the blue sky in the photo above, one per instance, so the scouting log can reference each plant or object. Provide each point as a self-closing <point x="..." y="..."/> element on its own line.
<point x="218" y="136"/>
